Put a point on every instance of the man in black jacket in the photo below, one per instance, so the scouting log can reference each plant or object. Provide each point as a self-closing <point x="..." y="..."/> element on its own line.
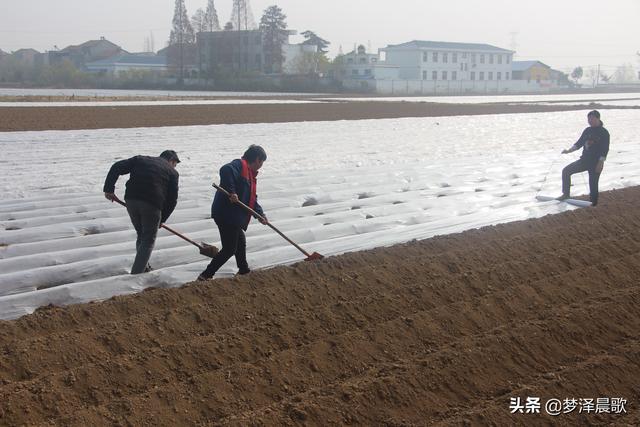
<point x="594" y="142"/>
<point x="151" y="196"/>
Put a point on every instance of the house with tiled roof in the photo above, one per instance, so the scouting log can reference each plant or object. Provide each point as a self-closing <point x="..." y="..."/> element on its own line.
<point x="89" y="51"/>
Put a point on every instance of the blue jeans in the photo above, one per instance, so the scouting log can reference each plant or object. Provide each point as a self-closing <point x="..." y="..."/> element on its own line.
<point x="146" y="220"/>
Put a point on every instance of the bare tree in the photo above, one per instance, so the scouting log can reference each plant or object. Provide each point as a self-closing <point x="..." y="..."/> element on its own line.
<point x="624" y="74"/>
<point x="211" y="22"/>
<point x="149" y="43"/>
<point x="182" y="31"/>
<point x="198" y="21"/>
<point x="593" y="75"/>
<point x="241" y="16"/>
<point x="181" y="34"/>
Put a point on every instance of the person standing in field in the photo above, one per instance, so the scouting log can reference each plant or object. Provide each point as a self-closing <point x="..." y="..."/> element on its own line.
<point x="239" y="178"/>
<point x="594" y="142"/>
<point x="151" y="196"/>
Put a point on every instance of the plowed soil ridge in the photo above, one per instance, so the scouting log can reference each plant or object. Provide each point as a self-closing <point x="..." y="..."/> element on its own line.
<point x="66" y="118"/>
<point x="438" y="332"/>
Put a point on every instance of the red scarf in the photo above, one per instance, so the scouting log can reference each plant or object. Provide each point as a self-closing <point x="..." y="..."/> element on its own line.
<point x="250" y="175"/>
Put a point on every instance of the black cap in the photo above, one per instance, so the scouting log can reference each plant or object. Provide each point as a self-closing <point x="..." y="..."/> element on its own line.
<point x="170" y="155"/>
<point x="595" y="113"/>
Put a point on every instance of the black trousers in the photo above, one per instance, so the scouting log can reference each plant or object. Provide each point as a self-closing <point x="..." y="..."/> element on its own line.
<point x="234" y="242"/>
<point x="580" y="166"/>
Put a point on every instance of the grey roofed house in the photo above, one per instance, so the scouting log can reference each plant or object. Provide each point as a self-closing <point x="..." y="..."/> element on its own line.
<point x="89" y="51"/>
<point x="127" y="62"/>
<point x="26" y="56"/>
<point x="422" y="44"/>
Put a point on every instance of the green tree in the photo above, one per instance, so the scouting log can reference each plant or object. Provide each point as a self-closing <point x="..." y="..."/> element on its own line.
<point x="577" y="74"/>
<point x="313" y="39"/>
<point x="274" y="32"/>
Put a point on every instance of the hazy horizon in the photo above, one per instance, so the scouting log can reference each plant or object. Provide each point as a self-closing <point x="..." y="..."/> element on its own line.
<point x="561" y="34"/>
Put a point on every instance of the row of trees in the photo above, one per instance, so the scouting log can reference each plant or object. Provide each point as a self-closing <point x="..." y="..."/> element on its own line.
<point x="273" y="25"/>
<point x="624" y="73"/>
<point x="184" y="29"/>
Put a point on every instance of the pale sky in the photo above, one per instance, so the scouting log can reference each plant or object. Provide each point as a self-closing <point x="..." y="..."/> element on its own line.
<point x="560" y="33"/>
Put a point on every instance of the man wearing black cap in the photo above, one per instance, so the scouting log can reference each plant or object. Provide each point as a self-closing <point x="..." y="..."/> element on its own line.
<point x="594" y="142"/>
<point x="151" y="197"/>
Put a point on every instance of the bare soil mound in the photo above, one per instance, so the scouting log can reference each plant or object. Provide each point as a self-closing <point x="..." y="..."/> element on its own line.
<point x="442" y="331"/>
<point x="65" y="118"/>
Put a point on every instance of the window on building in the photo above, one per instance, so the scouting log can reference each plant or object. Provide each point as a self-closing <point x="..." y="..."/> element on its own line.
<point x="454" y="75"/>
<point x="506" y="76"/>
<point x="481" y="76"/>
<point x="258" y="59"/>
<point x="464" y="55"/>
<point x="349" y="60"/>
<point x="473" y="75"/>
<point x="454" y="58"/>
<point x="367" y="72"/>
<point x="491" y="58"/>
<point x="444" y="75"/>
<point x="508" y="58"/>
<point x="499" y="75"/>
<point x="363" y="60"/>
<point x="425" y="56"/>
<point x="482" y="58"/>
<point x="259" y="40"/>
<point x="473" y="58"/>
<point x="434" y="75"/>
<point x="490" y="77"/>
<point x="435" y="56"/>
<point x="354" y="72"/>
<point x="374" y="59"/>
<point x="424" y="75"/>
<point x="499" y="59"/>
<point x="445" y="57"/>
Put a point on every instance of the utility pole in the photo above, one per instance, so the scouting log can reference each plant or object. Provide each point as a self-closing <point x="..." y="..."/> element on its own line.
<point x="598" y="76"/>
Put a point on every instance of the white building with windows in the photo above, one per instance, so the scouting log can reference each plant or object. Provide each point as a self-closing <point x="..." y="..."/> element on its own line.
<point x="448" y="61"/>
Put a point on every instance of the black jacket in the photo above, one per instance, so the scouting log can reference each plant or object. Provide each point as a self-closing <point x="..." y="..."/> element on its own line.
<point x="152" y="179"/>
<point x="600" y="147"/>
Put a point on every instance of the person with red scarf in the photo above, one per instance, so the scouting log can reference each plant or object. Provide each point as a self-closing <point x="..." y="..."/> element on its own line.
<point x="239" y="179"/>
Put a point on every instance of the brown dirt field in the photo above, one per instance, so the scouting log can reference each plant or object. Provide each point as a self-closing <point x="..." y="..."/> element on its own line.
<point x="64" y="118"/>
<point x="438" y="332"/>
